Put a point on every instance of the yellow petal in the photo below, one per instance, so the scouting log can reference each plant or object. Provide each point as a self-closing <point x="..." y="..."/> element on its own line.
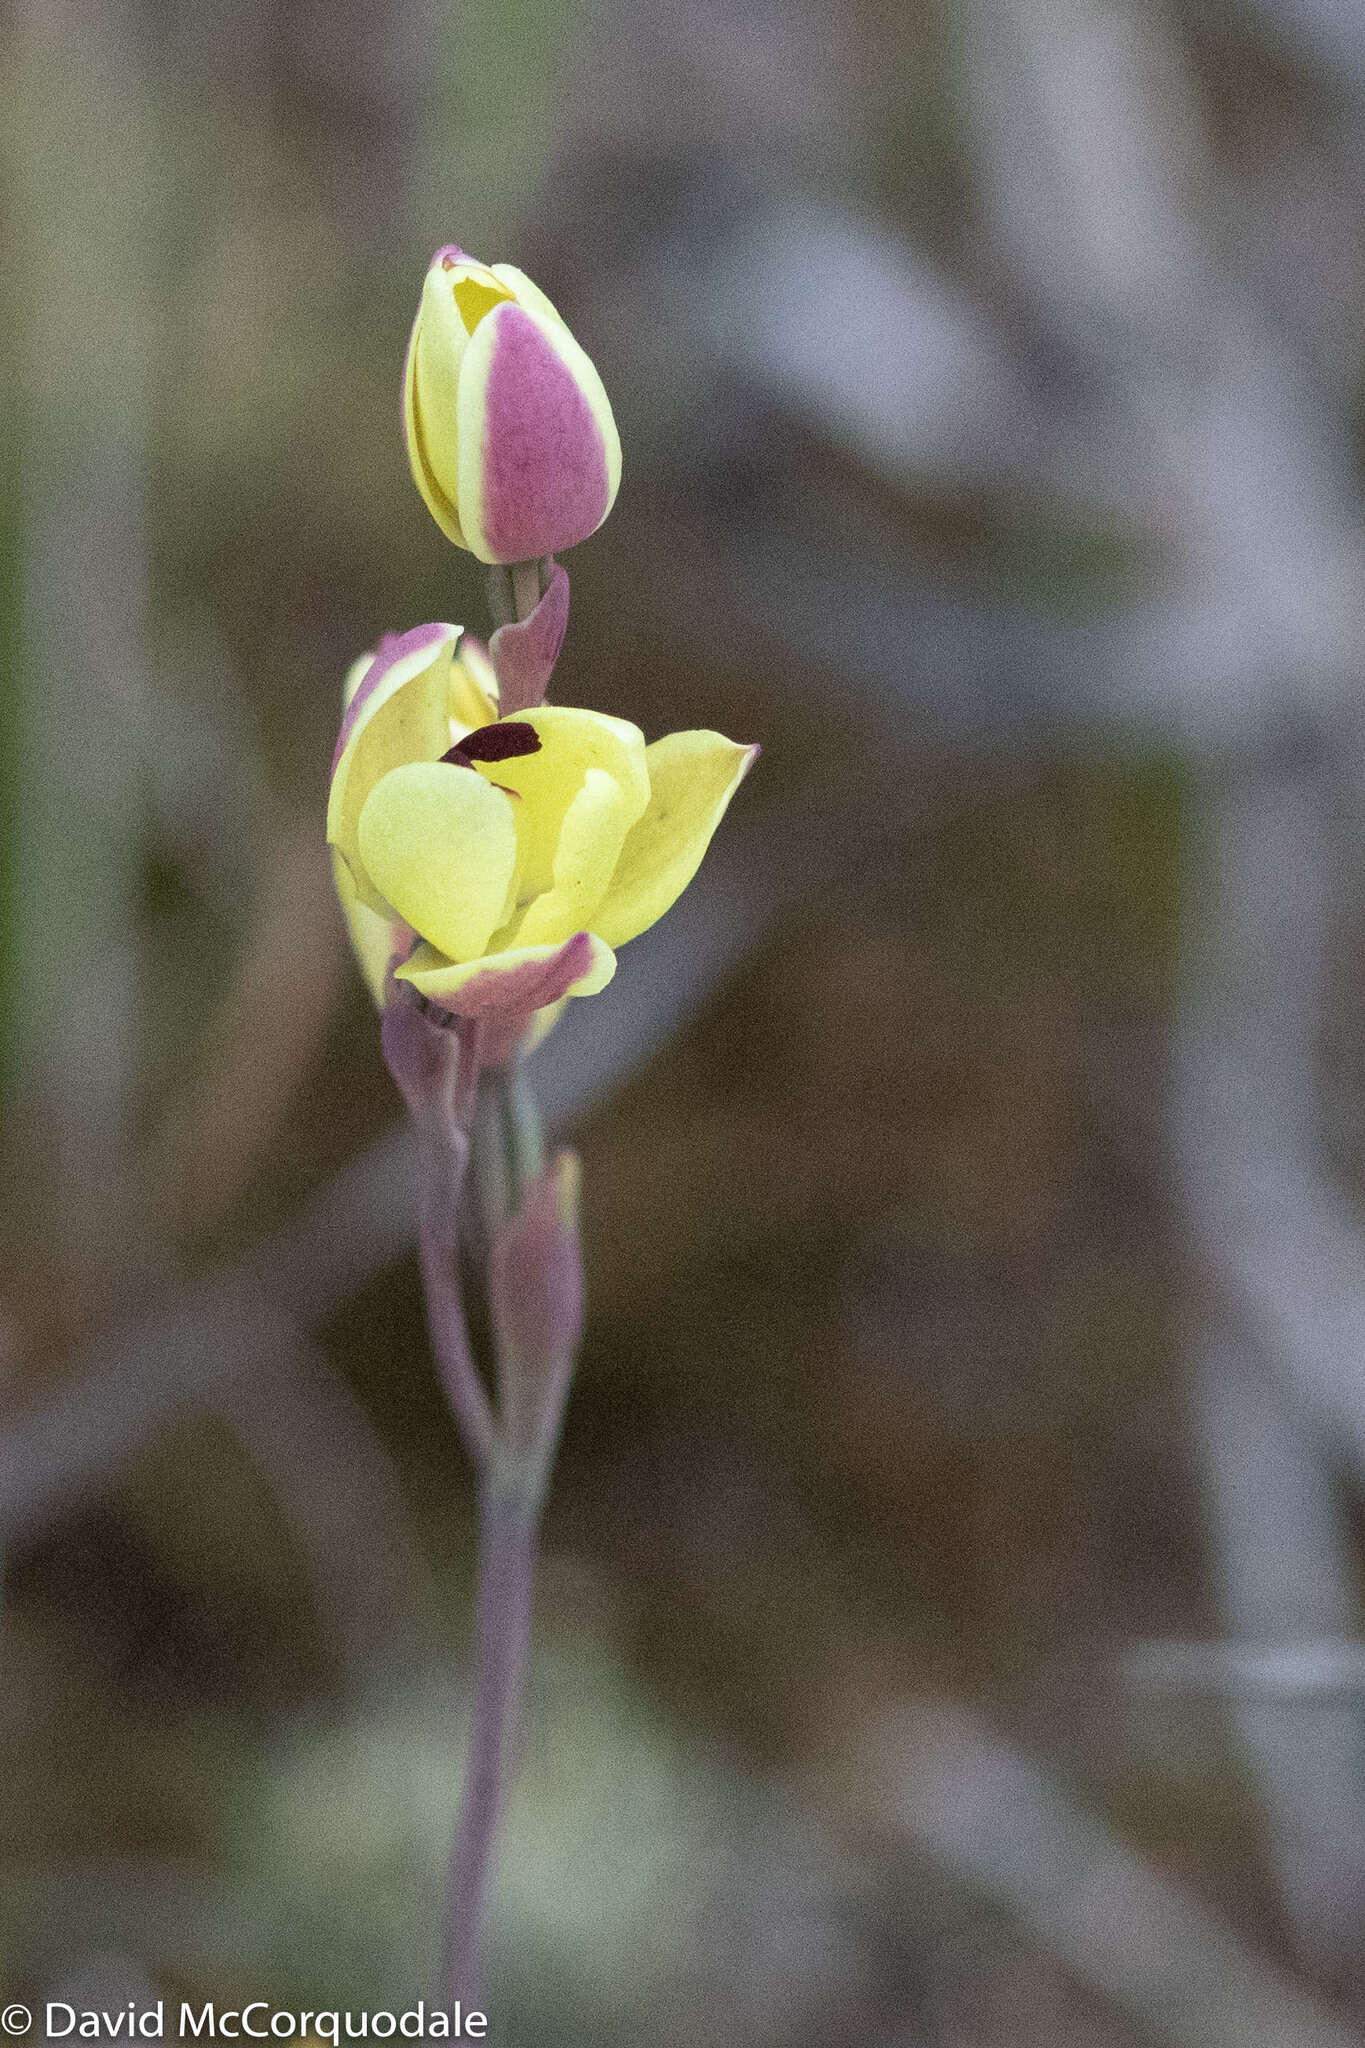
<point x="476" y="290"/>
<point x="355" y="676"/>
<point x="544" y="1021"/>
<point x="473" y="688"/>
<point x="439" y="843"/>
<point x="571" y="742"/>
<point x="456" y="294"/>
<point x="372" y="936"/>
<point x="590" y="841"/>
<point x="399" y="711"/>
<point x="441" y="337"/>
<point x="425" y="411"/>
<point x="517" y="979"/>
<point x="692" y="777"/>
<point x="524" y="291"/>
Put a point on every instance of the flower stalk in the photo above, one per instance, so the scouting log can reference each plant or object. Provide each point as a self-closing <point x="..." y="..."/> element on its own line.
<point x="472" y="1112"/>
<point x="535" y="1287"/>
<point x="534" y="1279"/>
<point x="491" y="853"/>
<point x="509" y="1522"/>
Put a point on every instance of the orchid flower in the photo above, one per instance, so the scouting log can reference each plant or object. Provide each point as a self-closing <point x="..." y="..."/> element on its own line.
<point x="495" y="864"/>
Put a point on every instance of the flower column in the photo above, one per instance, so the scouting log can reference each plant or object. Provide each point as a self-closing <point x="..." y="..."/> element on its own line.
<point x="491" y="852"/>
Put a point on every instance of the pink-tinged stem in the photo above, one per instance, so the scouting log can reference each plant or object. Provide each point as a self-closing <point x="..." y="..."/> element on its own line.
<point x="446" y="1322"/>
<point x="441" y="1090"/>
<point x="508" y="1522"/>
<point x="511" y="1482"/>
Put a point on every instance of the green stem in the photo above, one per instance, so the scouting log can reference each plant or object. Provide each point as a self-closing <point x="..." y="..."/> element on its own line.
<point x="501" y="596"/>
<point x="522" y="1131"/>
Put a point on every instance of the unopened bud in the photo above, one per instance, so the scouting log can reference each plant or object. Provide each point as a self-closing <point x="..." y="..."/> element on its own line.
<point x="535" y="1293"/>
<point x="510" y="436"/>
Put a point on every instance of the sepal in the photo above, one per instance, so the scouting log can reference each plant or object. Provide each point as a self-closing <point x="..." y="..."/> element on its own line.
<point x="524" y="654"/>
<point x="535" y="1298"/>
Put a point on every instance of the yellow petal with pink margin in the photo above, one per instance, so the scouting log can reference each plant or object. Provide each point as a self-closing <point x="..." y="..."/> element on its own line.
<point x="520" y="979"/>
<point x="355" y="676"/>
<point x="398" y="712"/>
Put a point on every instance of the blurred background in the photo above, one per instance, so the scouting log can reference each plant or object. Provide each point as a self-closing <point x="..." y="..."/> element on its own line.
<point x="949" y="1630"/>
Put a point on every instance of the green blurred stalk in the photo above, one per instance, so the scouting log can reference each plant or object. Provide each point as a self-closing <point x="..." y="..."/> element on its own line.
<point x="83" y="180"/>
<point x="11" y="550"/>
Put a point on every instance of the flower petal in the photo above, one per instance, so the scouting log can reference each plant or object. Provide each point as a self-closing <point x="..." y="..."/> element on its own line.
<point x="590" y="841"/>
<point x="473" y="688"/>
<point x="539" y="456"/>
<point x="399" y="711"/>
<point x="476" y="290"/>
<point x="439" y="843"/>
<point x="375" y="940"/>
<point x="355" y="676"/>
<point x="373" y="678"/>
<point x="692" y="777"/>
<point x="524" y="291"/>
<point x="572" y="742"/>
<point x="457" y="294"/>
<point x="520" y="979"/>
<point x="428" y="414"/>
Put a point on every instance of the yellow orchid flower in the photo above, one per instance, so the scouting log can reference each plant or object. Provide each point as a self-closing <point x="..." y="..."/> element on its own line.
<point x="511" y="439"/>
<point x="511" y="855"/>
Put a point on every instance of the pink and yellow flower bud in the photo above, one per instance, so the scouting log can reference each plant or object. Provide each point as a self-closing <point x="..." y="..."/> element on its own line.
<point x="535" y="1272"/>
<point x="510" y="436"/>
<point x="535" y="1299"/>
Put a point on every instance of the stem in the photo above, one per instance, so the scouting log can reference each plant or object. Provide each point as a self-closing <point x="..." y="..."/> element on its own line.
<point x="450" y="1335"/>
<point x="525" y="588"/>
<point x="516" y="588"/>
<point x="501" y="599"/>
<point x="523" y="1133"/>
<point x="508" y="1521"/>
<point x="438" y="1074"/>
<point x="509" y="1153"/>
<point x="507" y="1145"/>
